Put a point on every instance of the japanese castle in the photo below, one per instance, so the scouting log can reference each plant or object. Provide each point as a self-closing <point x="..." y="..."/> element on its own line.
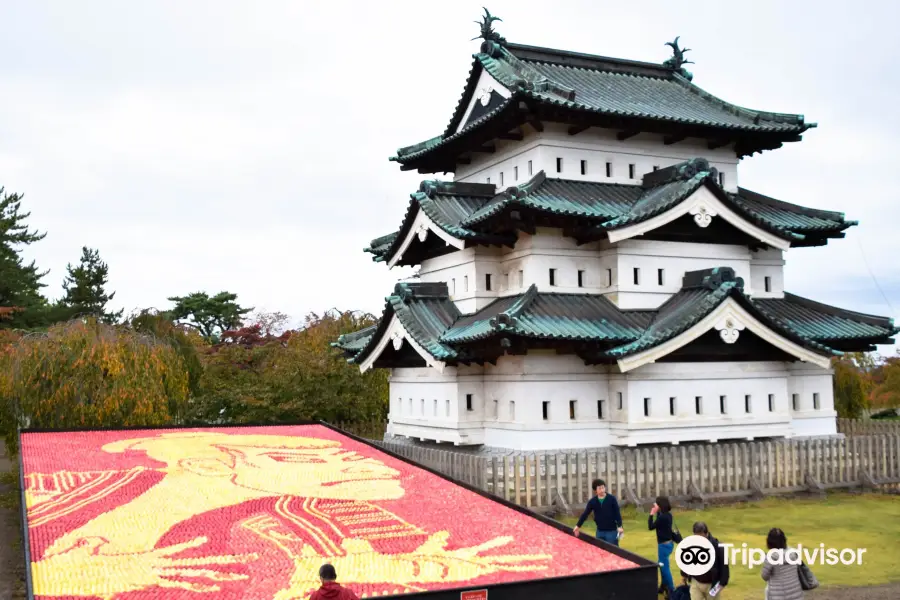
<point x="594" y="275"/>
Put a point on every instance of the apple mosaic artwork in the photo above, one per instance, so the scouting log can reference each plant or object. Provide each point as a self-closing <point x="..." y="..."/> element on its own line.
<point x="253" y="512"/>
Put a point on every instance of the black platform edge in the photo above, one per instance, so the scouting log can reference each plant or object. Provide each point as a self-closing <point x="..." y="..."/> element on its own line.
<point x="635" y="583"/>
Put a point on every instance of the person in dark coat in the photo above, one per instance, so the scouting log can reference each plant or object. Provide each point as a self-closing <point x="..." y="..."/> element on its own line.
<point x="606" y="511"/>
<point x="783" y="580"/>
<point x="660" y="519"/>
<point x="719" y="574"/>
<point x="331" y="589"/>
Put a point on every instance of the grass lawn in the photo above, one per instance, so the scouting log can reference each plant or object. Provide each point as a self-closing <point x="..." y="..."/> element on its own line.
<point x="841" y="520"/>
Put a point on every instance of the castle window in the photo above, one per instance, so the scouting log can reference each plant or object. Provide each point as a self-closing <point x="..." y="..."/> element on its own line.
<point x="506" y="280"/>
<point x="512" y="411"/>
<point x="672" y="406"/>
<point x="573" y="404"/>
<point x="795" y="401"/>
<point x="600" y="409"/>
<point x="469" y="402"/>
<point x="656" y="167"/>
<point x="558" y="164"/>
<point x="434" y="412"/>
<point x="501" y="177"/>
<point x="637" y="276"/>
<point x="580" y="278"/>
<point x="453" y="286"/>
<point x="609" y="169"/>
<point x="646" y="407"/>
<point x="423" y="407"/>
<point x="767" y="282"/>
<point x="771" y="402"/>
<point x="465" y="283"/>
<point x="698" y="404"/>
<point x="488" y="179"/>
<point x="530" y="170"/>
<point x="545" y="410"/>
<point x="552" y="276"/>
<point x="748" y="407"/>
<point x="584" y="167"/>
<point x="609" y="279"/>
<point x="496" y="408"/>
<point x="619" y="399"/>
<point x="659" y="276"/>
<point x="410" y="406"/>
<point x="447" y="407"/>
<point x="816" y="401"/>
<point x="722" y="404"/>
<point x="521" y="278"/>
<point x="487" y="282"/>
<point x="516" y="173"/>
<point x="630" y="171"/>
<point x="722" y="179"/>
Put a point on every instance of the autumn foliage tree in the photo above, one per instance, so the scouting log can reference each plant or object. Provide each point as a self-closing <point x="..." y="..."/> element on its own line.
<point x="255" y="376"/>
<point x="851" y="387"/>
<point x="88" y="374"/>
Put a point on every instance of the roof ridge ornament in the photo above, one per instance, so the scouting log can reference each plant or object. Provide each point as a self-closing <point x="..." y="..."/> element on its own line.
<point x="487" y="28"/>
<point x="677" y="62"/>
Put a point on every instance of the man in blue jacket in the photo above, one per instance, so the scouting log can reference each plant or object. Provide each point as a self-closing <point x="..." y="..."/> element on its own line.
<point x="606" y="514"/>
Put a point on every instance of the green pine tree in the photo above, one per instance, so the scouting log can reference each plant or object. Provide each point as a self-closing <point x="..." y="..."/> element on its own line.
<point x="85" y="288"/>
<point x="20" y="282"/>
<point x="210" y="315"/>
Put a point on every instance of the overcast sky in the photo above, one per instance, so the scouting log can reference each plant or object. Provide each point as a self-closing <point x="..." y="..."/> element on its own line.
<point x="244" y="146"/>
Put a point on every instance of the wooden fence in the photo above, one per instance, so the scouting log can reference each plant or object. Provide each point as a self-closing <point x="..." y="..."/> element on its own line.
<point x="696" y="473"/>
<point x="868" y="426"/>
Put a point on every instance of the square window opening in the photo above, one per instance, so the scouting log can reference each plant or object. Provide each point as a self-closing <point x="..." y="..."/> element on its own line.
<point x="512" y="411"/>
<point x="501" y="177"/>
<point x="795" y="401"/>
<point x="656" y="167"/>
<point x="631" y="171"/>
<point x="552" y="276"/>
<point x="816" y="401"/>
<point x="584" y="167"/>
<point x="447" y="407"/>
<point x="521" y="281"/>
<point x="465" y="283"/>
<point x="637" y="276"/>
<point x="619" y="400"/>
<point x="609" y="278"/>
<point x="609" y="169"/>
<point x="646" y="407"/>
<point x="487" y="282"/>
<point x="767" y="282"/>
<point x="580" y="278"/>
<point x="558" y="165"/>
<point x="722" y="404"/>
<point x="748" y="406"/>
<point x="469" y="403"/>
<point x="572" y="408"/>
<point x="722" y="179"/>
<point x="545" y="410"/>
<point x="530" y="169"/>
<point x="771" y="402"/>
<point x="660" y="276"/>
<point x="698" y="404"/>
<point x="672" y="406"/>
<point x="516" y="173"/>
<point x="600" y="409"/>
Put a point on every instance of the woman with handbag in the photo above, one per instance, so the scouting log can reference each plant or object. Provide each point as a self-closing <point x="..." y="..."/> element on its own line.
<point x="667" y="535"/>
<point x="785" y="580"/>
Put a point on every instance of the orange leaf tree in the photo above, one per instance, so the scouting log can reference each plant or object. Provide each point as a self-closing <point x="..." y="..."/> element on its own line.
<point x="87" y="374"/>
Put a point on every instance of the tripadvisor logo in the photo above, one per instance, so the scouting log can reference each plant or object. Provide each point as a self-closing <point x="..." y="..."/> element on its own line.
<point x="695" y="555"/>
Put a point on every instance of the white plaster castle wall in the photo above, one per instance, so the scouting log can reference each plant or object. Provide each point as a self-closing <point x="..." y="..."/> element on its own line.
<point x="607" y="269"/>
<point x="507" y="403"/>
<point x="595" y="146"/>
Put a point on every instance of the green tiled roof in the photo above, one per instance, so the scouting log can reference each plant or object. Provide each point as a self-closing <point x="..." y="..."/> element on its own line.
<point x="465" y="211"/>
<point x="424" y="310"/>
<point x="575" y="317"/>
<point x="701" y="293"/>
<point x="615" y="88"/>
<point x="434" y="322"/>
<point x="826" y="323"/>
<point x="447" y="204"/>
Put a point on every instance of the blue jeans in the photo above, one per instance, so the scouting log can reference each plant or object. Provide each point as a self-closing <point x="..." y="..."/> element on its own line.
<point x="609" y="536"/>
<point x="664" y="551"/>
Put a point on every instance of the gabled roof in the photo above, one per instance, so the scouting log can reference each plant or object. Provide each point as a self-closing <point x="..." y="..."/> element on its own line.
<point x="425" y="312"/>
<point x="478" y="213"/>
<point x="809" y="329"/>
<point x="701" y="293"/>
<point x="604" y="92"/>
